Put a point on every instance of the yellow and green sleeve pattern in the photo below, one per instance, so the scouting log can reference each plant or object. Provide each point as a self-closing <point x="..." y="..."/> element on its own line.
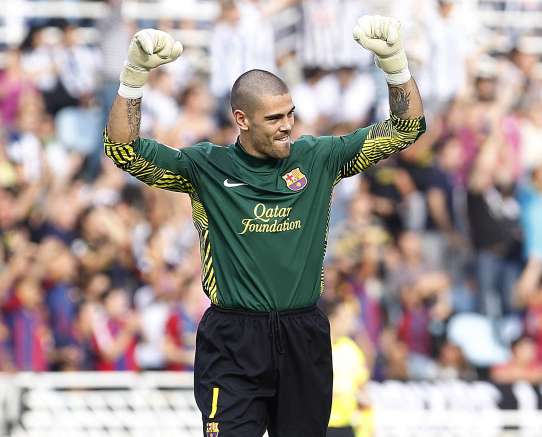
<point x="144" y="168"/>
<point x="161" y="166"/>
<point x="383" y="139"/>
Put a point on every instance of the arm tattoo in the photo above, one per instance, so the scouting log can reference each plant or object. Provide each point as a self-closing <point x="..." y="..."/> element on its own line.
<point x="134" y="117"/>
<point x="399" y="100"/>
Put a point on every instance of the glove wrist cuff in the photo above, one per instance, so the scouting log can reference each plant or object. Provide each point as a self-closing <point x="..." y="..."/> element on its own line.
<point x="393" y="63"/>
<point x="133" y="76"/>
<point x="395" y="67"/>
<point x="129" y="92"/>
<point x="399" y="78"/>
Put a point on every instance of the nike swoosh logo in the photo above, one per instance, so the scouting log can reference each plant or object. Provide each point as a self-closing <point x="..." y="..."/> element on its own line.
<point x="229" y="184"/>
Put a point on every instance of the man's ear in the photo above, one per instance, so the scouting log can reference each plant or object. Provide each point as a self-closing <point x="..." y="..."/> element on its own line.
<point x="241" y="120"/>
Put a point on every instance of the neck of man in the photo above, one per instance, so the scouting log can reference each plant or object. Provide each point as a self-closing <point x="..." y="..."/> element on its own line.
<point x="246" y="143"/>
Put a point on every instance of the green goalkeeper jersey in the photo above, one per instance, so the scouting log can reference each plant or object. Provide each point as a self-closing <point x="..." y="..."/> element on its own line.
<point x="263" y="223"/>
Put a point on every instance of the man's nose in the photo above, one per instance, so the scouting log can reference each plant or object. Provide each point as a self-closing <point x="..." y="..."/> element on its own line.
<point x="285" y="125"/>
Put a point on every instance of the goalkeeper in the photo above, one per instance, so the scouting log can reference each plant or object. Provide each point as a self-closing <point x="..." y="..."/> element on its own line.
<point x="261" y="208"/>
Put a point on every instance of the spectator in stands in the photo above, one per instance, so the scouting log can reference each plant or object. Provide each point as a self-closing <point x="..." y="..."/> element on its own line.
<point x="160" y="108"/>
<point x="350" y="372"/>
<point x="195" y="120"/>
<point x="39" y="64"/>
<point x="104" y="247"/>
<point x="451" y="47"/>
<point x="392" y="362"/>
<point x="115" y="333"/>
<point x="432" y="169"/>
<point x="452" y="364"/>
<point x="61" y="301"/>
<point x="228" y="50"/>
<point x="522" y="366"/>
<point x="77" y="63"/>
<point x="425" y="304"/>
<point x="78" y="125"/>
<point x="243" y="39"/>
<point x="325" y="40"/>
<point x="87" y="316"/>
<point x="495" y="231"/>
<point x="24" y="147"/>
<point x="154" y="305"/>
<point x="409" y="263"/>
<point x="30" y="336"/>
<point x="365" y="284"/>
<point x="115" y="34"/>
<point x="397" y="202"/>
<point x="426" y="308"/>
<point x="179" y="342"/>
<point x="312" y="107"/>
<point x="525" y="58"/>
<point x="13" y="85"/>
<point x="60" y="216"/>
<point x="345" y="109"/>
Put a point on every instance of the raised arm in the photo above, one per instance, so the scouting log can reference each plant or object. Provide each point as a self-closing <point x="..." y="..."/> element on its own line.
<point x="405" y="100"/>
<point x="149" y="48"/>
<point x="382" y="36"/>
<point x="365" y="147"/>
<point x="124" y="120"/>
<point x="151" y="162"/>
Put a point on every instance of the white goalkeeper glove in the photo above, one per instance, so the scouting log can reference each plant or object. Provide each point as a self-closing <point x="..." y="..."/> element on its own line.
<point x="149" y="48"/>
<point x="382" y="36"/>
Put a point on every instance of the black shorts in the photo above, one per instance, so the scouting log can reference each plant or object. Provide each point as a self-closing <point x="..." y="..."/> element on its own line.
<point x="256" y="371"/>
<point x="345" y="431"/>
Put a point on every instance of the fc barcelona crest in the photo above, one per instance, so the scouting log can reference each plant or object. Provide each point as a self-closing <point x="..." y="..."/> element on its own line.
<point x="295" y="180"/>
<point x="212" y="429"/>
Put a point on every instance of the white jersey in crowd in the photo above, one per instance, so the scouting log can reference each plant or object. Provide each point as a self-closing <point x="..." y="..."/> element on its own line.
<point x="114" y="40"/>
<point x="451" y="45"/>
<point x="326" y="39"/>
<point x="78" y="68"/>
<point x="39" y="64"/>
<point x="338" y="103"/>
<point x="248" y="44"/>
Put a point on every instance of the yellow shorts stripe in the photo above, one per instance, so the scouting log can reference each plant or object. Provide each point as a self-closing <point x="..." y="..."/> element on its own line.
<point x="214" y="404"/>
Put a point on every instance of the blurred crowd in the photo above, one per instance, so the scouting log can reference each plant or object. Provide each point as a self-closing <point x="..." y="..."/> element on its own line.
<point x="437" y="252"/>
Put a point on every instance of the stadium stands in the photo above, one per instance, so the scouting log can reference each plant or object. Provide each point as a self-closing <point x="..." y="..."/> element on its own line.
<point x="440" y="247"/>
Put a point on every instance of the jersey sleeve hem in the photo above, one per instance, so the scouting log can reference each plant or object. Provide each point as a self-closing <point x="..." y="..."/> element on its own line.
<point x="382" y="140"/>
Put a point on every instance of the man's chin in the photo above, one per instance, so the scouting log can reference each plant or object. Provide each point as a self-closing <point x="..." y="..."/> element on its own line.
<point x="281" y="152"/>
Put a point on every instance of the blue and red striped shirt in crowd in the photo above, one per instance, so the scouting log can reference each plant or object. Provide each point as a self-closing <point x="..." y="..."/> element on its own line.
<point x="105" y="333"/>
<point x="413" y="330"/>
<point x="61" y="304"/>
<point x="28" y="339"/>
<point x="174" y="331"/>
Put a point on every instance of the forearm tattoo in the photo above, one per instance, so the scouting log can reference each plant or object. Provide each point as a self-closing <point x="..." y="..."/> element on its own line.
<point x="134" y="117"/>
<point x="399" y="100"/>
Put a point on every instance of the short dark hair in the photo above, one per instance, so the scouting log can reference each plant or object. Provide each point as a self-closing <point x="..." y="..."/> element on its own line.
<point x="253" y="84"/>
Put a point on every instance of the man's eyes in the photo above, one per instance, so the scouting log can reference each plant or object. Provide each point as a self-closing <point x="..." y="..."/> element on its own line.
<point x="278" y="117"/>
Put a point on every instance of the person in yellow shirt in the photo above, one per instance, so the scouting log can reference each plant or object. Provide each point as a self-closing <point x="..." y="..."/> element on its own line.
<point x="350" y="371"/>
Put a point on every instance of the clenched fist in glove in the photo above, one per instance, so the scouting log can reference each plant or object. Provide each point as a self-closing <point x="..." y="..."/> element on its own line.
<point x="382" y="36"/>
<point x="149" y="48"/>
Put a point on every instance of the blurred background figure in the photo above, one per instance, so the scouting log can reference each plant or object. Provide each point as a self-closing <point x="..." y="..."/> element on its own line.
<point x="350" y="372"/>
<point x="522" y="366"/>
<point x="115" y="329"/>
